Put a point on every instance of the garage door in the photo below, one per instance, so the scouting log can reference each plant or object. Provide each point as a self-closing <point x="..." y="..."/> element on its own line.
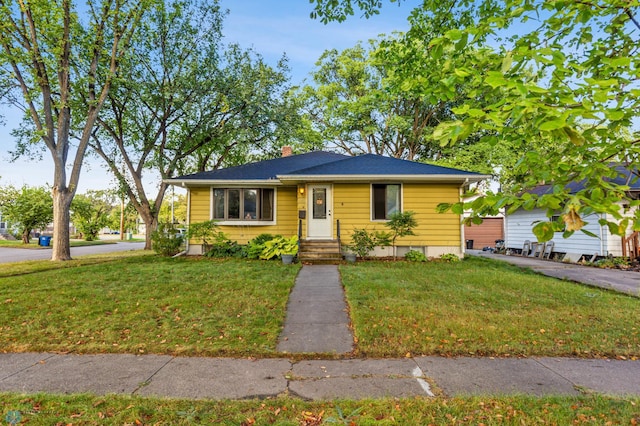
<point x="485" y="234"/>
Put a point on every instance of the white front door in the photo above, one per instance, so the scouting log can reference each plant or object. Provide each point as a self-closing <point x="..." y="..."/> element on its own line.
<point x="320" y="222"/>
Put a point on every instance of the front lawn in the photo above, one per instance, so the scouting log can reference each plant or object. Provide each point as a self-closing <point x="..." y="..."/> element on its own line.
<point x="146" y="304"/>
<point x="484" y="307"/>
<point x="141" y="303"/>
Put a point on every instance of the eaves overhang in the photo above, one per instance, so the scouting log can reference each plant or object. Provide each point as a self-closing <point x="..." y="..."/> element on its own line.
<point x="223" y="183"/>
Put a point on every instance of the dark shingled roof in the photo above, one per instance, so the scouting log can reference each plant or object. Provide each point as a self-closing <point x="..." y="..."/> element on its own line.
<point x="626" y="176"/>
<point x="370" y="164"/>
<point x="268" y="169"/>
<point x="320" y="163"/>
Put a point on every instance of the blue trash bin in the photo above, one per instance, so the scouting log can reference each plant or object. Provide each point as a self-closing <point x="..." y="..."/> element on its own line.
<point x="45" y="241"/>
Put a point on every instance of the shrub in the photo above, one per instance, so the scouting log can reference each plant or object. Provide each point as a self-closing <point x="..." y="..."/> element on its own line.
<point x="401" y="225"/>
<point x="225" y="248"/>
<point x="449" y="257"/>
<point x="415" y="256"/>
<point x="205" y="232"/>
<point x="612" y="262"/>
<point x="255" y="247"/>
<point x="166" y="240"/>
<point x="363" y="241"/>
<point x="278" y="246"/>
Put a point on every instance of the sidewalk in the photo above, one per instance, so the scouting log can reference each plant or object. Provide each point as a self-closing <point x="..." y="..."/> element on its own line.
<point x="611" y="279"/>
<point x="227" y="378"/>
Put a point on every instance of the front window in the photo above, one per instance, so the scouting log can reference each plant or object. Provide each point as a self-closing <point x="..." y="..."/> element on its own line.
<point x="243" y="204"/>
<point x="385" y="200"/>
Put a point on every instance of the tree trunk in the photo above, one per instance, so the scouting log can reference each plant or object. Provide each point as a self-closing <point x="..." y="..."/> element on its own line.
<point x="61" y="219"/>
<point x="25" y="236"/>
<point x="151" y="224"/>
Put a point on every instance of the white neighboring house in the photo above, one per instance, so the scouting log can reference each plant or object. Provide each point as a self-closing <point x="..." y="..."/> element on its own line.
<point x="4" y="226"/>
<point x="520" y="223"/>
<point x="518" y="227"/>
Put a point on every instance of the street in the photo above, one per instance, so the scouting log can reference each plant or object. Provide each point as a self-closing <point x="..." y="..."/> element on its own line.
<point x="8" y="255"/>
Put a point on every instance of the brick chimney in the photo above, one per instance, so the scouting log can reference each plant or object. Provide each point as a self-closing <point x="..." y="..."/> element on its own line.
<point x="287" y="151"/>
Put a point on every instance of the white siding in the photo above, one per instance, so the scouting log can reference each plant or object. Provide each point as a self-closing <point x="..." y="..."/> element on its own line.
<point x="520" y="223"/>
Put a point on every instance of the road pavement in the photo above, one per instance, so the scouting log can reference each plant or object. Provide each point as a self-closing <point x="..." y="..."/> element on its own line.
<point x="8" y="254"/>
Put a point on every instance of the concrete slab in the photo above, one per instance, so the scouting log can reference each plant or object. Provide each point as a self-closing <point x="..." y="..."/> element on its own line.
<point x="219" y="378"/>
<point x="614" y="377"/>
<point x="318" y="369"/>
<point x="98" y="374"/>
<point x="312" y="313"/>
<point x="316" y="338"/>
<point x="482" y="376"/>
<point x="356" y="388"/>
<point x="11" y="364"/>
<point x="318" y="276"/>
<point x="328" y="294"/>
<point x="357" y="379"/>
<point x="317" y="314"/>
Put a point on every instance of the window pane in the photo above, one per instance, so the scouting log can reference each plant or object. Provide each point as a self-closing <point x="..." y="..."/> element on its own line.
<point x="234" y="204"/>
<point x="379" y="205"/>
<point x="393" y="199"/>
<point x="319" y="203"/>
<point x="218" y="203"/>
<point x="267" y="204"/>
<point x="250" y="205"/>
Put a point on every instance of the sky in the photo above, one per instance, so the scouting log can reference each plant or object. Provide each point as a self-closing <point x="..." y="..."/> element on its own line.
<point x="270" y="27"/>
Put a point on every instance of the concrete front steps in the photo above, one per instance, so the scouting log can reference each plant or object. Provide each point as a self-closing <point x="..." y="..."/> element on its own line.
<point x="320" y="251"/>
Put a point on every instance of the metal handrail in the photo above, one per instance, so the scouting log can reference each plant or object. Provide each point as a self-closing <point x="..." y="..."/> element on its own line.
<point x="338" y="234"/>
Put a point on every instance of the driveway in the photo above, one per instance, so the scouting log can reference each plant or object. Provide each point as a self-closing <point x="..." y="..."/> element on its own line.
<point x="8" y="255"/>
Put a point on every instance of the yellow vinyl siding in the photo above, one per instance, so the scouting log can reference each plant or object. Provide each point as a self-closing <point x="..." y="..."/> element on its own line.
<point x="286" y="216"/>
<point x="352" y="206"/>
<point x="200" y="204"/>
<point x="434" y="229"/>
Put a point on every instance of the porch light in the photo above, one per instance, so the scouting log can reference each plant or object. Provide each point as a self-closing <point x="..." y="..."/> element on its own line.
<point x="301" y="190"/>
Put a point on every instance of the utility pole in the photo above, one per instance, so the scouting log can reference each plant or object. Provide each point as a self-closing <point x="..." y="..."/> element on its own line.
<point x="122" y="208"/>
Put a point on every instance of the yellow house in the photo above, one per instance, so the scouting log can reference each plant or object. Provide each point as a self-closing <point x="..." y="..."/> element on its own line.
<point x="322" y="197"/>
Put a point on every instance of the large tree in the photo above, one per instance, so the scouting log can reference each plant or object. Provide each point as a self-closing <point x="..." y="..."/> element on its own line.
<point x="50" y="53"/>
<point x="26" y="209"/>
<point x="351" y="104"/>
<point x="354" y="112"/>
<point x="185" y="102"/>
<point x="565" y="89"/>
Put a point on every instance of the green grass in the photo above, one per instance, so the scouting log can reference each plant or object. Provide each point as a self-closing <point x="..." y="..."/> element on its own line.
<point x="125" y="410"/>
<point x="145" y="304"/>
<point x="484" y="307"/>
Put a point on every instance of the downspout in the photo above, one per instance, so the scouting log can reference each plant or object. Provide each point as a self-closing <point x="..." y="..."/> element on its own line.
<point x="186" y="248"/>
<point x="603" y="238"/>
<point x="463" y="245"/>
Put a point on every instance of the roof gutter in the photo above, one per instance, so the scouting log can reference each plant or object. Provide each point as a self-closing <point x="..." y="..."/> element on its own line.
<point x="377" y="178"/>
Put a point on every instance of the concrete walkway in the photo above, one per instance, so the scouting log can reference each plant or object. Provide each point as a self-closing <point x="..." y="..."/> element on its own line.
<point x="611" y="279"/>
<point x="227" y="378"/>
<point x="317" y="314"/>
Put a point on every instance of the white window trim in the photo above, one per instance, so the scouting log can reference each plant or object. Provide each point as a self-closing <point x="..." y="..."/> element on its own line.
<point x="238" y="222"/>
<point x="371" y="199"/>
